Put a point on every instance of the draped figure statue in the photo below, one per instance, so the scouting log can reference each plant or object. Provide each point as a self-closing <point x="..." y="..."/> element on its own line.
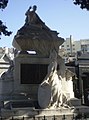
<point x="33" y="19"/>
<point x="53" y="80"/>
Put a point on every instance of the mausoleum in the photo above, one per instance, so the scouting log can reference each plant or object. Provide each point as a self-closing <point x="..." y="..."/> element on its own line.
<point x="37" y="79"/>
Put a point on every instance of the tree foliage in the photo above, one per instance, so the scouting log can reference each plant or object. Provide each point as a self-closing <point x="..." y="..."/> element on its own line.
<point x="3" y="28"/>
<point x="3" y="4"/>
<point x="84" y="4"/>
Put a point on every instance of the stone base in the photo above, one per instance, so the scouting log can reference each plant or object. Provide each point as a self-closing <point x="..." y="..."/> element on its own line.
<point x="75" y="101"/>
<point x="31" y="112"/>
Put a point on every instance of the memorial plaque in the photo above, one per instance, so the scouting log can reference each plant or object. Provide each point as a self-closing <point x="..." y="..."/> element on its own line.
<point x="33" y="73"/>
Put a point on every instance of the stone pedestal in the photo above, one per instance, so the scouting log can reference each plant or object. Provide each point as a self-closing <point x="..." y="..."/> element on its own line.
<point x="29" y="72"/>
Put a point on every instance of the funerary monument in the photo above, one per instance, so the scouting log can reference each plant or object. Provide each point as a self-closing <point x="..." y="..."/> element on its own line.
<point x="37" y="83"/>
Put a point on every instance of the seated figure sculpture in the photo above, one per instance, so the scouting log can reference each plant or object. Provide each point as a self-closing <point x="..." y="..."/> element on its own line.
<point x="33" y="19"/>
<point x="37" y="34"/>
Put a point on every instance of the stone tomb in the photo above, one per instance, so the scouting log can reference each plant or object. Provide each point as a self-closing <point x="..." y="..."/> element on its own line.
<point x="29" y="72"/>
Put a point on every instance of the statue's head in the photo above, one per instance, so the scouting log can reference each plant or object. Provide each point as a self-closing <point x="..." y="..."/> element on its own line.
<point x="34" y="8"/>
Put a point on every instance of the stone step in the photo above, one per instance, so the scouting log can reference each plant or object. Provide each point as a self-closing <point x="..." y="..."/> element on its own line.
<point x="21" y="104"/>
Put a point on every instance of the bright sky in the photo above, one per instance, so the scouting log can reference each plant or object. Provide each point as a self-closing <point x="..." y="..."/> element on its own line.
<point x="60" y="15"/>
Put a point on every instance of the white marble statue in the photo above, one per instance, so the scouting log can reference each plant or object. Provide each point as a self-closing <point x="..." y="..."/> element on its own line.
<point x="53" y="81"/>
<point x="50" y="92"/>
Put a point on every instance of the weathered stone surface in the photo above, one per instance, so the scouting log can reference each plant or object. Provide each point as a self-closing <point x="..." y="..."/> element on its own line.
<point x="44" y="95"/>
<point x="36" y="38"/>
<point x="35" y="35"/>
